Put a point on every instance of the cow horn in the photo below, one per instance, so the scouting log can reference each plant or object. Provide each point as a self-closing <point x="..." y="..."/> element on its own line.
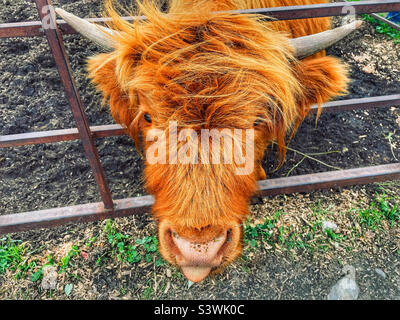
<point x="304" y="46"/>
<point x="308" y="45"/>
<point x="93" y="32"/>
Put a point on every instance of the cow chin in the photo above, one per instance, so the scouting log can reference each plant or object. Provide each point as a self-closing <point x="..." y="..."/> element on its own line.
<point x="199" y="253"/>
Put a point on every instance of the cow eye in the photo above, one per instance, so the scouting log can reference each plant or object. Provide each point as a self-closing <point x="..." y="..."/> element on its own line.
<point x="257" y="122"/>
<point x="147" y="117"/>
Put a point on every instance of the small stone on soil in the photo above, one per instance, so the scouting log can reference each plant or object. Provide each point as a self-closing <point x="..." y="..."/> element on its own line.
<point x="346" y="288"/>
<point x="49" y="281"/>
<point x="380" y="273"/>
<point x="329" y="225"/>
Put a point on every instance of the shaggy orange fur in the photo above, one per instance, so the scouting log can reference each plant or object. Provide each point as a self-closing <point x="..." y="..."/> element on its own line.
<point x="204" y="68"/>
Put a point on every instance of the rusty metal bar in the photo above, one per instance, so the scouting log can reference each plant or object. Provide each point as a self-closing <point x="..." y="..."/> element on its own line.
<point x="330" y="179"/>
<point x="325" y="10"/>
<point x="359" y="103"/>
<point x="34" y="28"/>
<point x="388" y="22"/>
<point x="125" y="207"/>
<point x="31" y="29"/>
<point x="78" y="214"/>
<point x="378" y="17"/>
<point x="60" y="57"/>
<point x="22" y="139"/>
<point x="21" y="29"/>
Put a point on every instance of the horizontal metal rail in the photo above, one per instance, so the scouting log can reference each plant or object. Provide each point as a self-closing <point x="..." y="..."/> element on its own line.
<point x="22" y="139"/>
<point x="388" y="22"/>
<point x="359" y="103"/>
<point x="330" y="179"/>
<point x="325" y="9"/>
<point x="78" y="214"/>
<point x="139" y="205"/>
<point x="34" y="28"/>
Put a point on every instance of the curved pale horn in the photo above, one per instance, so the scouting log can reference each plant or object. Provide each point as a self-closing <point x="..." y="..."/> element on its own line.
<point x="308" y="45"/>
<point x="89" y="30"/>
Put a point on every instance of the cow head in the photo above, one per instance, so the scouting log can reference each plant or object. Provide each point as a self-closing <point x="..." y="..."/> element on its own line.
<point x="177" y="76"/>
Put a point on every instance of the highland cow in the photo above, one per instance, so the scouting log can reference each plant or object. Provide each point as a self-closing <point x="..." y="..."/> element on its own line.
<point x="201" y="67"/>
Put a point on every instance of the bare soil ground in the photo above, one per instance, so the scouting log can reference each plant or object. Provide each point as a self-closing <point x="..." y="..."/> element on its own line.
<point x="56" y="175"/>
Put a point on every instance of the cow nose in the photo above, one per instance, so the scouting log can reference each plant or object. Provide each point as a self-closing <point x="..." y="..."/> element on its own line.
<point x="198" y="258"/>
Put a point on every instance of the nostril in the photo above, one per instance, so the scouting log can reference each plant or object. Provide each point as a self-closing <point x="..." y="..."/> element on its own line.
<point x="169" y="241"/>
<point x="229" y="235"/>
<point x="174" y="234"/>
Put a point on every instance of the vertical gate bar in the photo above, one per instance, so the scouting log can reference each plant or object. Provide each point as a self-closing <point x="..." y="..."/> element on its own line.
<point x="56" y="44"/>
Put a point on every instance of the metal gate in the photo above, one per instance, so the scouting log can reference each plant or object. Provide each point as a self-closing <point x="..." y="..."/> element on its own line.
<point x="118" y="208"/>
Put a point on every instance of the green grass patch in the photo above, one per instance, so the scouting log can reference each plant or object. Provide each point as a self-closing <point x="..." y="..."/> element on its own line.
<point x="306" y="237"/>
<point x="382" y="27"/>
<point x="254" y="234"/>
<point x="13" y="257"/>
<point x="11" y="254"/>
<point x="130" y="251"/>
<point x="65" y="262"/>
<point x="90" y="242"/>
<point x="310" y="235"/>
<point x="148" y="292"/>
<point x="380" y="209"/>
